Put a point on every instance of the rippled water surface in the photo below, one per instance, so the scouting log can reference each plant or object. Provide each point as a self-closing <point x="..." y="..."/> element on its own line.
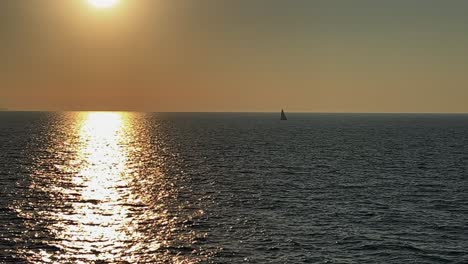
<point x="233" y="188"/>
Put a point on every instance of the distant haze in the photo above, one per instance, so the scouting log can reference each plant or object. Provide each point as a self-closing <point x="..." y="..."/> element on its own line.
<point x="235" y="55"/>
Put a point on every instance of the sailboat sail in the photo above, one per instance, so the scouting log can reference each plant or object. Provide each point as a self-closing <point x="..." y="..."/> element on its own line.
<point x="283" y="116"/>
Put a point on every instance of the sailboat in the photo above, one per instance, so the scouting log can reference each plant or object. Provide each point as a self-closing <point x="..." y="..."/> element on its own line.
<point x="283" y="116"/>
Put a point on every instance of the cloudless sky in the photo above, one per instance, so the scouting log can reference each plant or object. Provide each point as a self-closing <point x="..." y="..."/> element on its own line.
<point x="235" y="55"/>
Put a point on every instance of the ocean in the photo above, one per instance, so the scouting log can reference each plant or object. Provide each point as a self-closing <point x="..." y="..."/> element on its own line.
<point x="103" y="187"/>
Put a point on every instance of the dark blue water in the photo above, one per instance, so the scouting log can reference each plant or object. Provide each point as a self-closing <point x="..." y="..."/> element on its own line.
<point x="233" y="188"/>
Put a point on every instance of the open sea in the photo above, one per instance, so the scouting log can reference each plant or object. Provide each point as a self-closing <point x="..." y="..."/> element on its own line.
<point x="103" y="187"/>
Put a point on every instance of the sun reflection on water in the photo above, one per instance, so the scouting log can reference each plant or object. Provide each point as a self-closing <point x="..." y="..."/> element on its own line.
<point x="100" y="221"/>
<point x="106" y="190"/>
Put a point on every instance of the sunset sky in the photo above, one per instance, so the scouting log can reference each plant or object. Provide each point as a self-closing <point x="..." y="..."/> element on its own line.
<point x="235" y="55"/>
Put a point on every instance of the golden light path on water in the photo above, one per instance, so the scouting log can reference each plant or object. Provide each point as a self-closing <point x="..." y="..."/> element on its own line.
<point x="100" y="216"/>
<point x="110" y="201"/>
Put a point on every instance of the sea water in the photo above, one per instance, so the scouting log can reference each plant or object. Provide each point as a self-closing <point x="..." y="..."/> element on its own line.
<point x="104" y="187"/>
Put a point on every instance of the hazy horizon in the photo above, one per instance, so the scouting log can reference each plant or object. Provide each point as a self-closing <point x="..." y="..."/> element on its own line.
<point x="231" y="112"/>
<point x="235" y="56"/>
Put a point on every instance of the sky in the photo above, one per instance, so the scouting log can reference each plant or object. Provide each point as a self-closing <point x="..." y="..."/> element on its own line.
<point x="235" y="55"/>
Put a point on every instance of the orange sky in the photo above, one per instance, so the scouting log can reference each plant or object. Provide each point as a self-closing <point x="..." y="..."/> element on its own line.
<point x="234" y="55"/>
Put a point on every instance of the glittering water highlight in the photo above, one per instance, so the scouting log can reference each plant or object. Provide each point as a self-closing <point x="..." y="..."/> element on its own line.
<point x="104" y="187"/>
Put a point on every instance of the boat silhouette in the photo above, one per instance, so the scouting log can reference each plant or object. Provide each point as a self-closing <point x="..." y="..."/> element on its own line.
<point x="283" y="116"/>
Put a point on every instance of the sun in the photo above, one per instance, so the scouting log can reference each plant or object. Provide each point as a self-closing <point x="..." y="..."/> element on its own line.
<point x="103" y="3"/>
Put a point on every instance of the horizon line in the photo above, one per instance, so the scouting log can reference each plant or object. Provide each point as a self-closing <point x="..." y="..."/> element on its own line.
<point x="233" y="112"/>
